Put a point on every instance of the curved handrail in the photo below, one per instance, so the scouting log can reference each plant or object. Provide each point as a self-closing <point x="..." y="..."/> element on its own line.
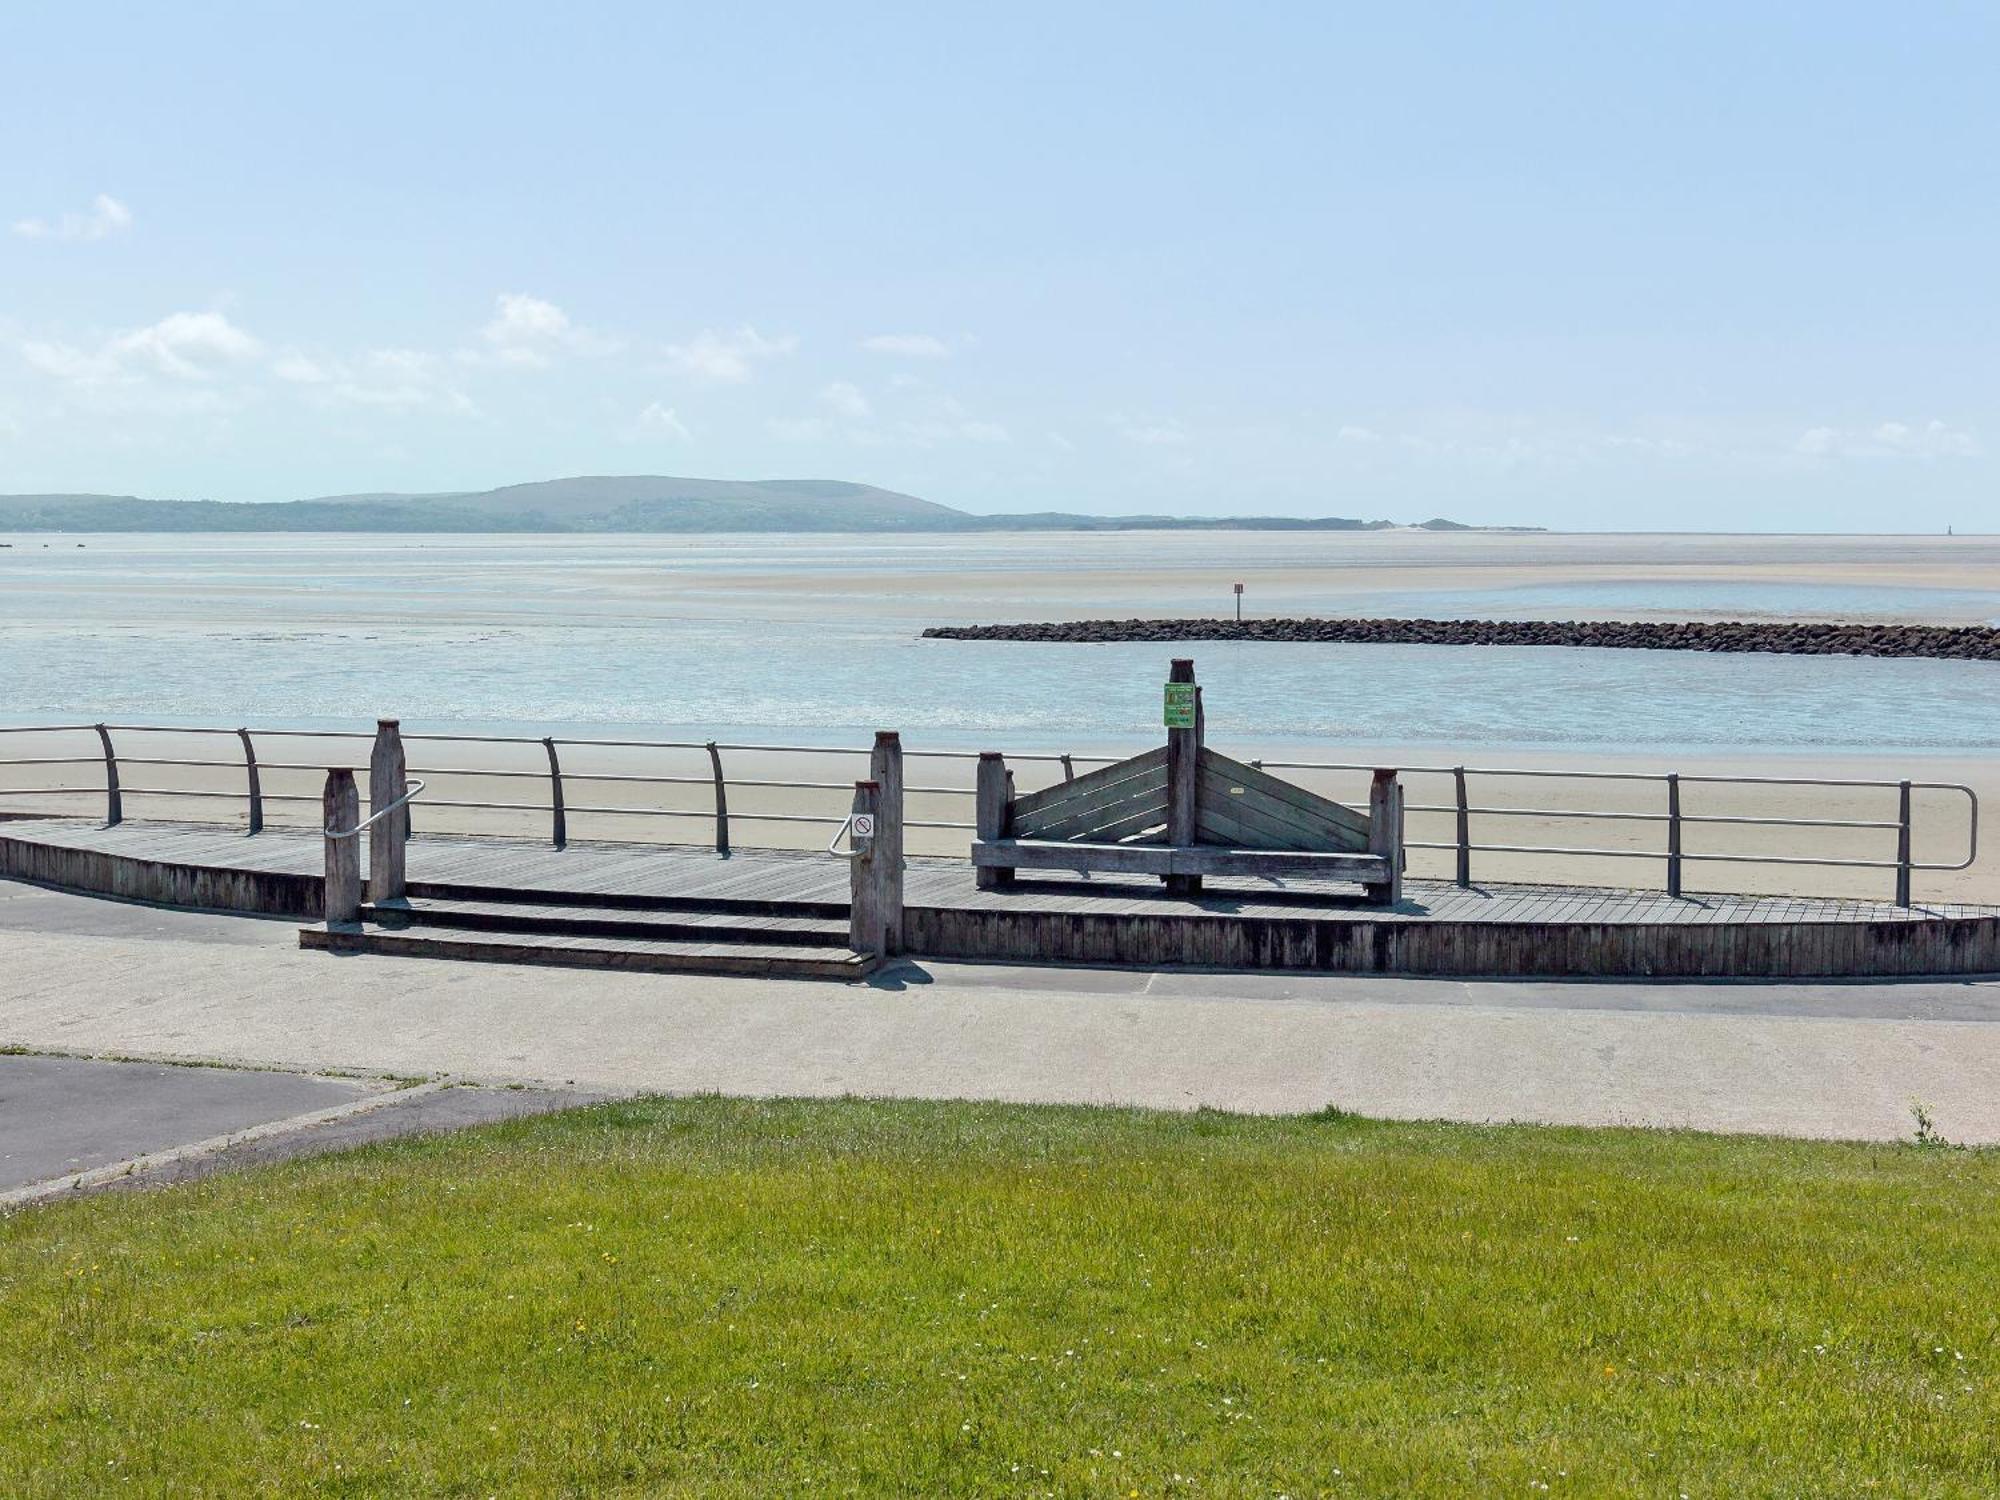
<point x="416" y="788"/>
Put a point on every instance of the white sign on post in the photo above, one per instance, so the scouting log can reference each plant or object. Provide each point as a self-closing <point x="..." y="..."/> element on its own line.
<point x="862" y="826"/>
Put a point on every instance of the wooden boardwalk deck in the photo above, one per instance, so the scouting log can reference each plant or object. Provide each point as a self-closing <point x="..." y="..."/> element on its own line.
<point x="1436" y="928"/>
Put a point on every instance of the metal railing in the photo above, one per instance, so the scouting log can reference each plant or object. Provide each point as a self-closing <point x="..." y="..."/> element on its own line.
<point x="1668" y="813"/>
<point x="416" y="790"/>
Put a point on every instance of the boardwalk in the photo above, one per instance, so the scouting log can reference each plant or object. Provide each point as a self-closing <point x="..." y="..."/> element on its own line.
<point x="1437" y="928"/>
<point x="777" y="875"/>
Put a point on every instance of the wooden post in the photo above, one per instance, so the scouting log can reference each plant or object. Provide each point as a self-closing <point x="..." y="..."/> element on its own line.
<point x="114" y="800"/>
<point x="1183" y="777"/>
<point x="864" y="891"/>
<point x="1673" y="833"/>
<point x="256" y="785"/>
<point x="989" y="816"/>
<point x="1464" y="827"/>
<point x="1903" y="847"/>
<point x="388" y="783"/>
<point x="558" y="817"/>
<point x="885" y="765"/>
<point x="721" y="801"/>
<point x="341" y="810"/>
<point x="1385" y="833"/>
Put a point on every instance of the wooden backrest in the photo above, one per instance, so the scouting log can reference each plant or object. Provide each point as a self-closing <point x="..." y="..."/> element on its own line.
<point x="1235" y="805"/>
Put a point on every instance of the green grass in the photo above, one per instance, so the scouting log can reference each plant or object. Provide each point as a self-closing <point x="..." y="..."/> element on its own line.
<point x="850" y="1297"/>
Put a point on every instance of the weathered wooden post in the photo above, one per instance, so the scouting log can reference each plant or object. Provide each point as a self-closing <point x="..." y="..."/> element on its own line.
<point x="256" y="785"/>
<point x="114" y="800"/>
<point x="341" y="810"/>
<point x="1903" y="847"/>
<point x="885" y="765"/>
<point x="1184" y="734"/>
<point x="1385" y="832"/>
<point x="989" y="816"/>
<point x="864" y="891"/>
<point x="388" y="784"/>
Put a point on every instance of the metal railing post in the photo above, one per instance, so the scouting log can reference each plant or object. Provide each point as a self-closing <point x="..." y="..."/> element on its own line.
<point x="341" y="806"/>
<point x="114" y="800"/>
<point x="1464" y="827"/>
<point x="559" y="831"/>
<point x="1903" y="845"/>
<point x="721" y="800"/>
<point x="1673" y="833"/>
<point x="256" y="785"/>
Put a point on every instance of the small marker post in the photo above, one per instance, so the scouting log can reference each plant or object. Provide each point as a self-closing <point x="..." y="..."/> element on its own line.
<point x="1239" y="603"/>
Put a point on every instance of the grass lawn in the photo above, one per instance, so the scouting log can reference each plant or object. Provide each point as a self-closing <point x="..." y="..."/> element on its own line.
<point x="852" y="1297"/>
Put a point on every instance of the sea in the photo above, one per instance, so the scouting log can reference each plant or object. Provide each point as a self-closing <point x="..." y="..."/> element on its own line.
<point x="816" y="639"/>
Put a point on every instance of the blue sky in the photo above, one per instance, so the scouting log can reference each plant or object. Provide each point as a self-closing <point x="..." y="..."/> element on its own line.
<point x="1598" y="266"/>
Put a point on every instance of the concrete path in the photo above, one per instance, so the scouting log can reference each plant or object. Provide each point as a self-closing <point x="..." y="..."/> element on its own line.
<point x="82" y="975"/>
<point x="63" y="1115"/>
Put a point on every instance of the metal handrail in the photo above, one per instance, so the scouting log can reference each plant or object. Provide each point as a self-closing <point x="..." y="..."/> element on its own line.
<point x="415" y="791"/>
<point x="1462" y="806"/>
<point x="838" y="834"/>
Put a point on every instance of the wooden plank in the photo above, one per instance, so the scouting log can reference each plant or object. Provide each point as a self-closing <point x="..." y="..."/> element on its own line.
<point x="1165" y="859"/>
<point x="1144" y="793"/>
<point x="1124" y="859"/>
<point x="1267" y="819"/>
<point x="1286" y="791"/>
<point x="1238" y="825"/>
<point x="1089" y="782"/>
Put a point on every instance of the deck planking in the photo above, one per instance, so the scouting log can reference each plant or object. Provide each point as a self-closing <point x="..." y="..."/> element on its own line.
<point x="693" y="871"/>
<point x="1541" y="930"/>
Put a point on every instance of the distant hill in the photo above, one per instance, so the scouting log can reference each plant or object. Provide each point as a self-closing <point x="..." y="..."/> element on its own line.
<point x="633" y="503"/>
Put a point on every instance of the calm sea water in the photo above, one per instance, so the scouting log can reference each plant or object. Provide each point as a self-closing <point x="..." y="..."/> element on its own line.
<point x="766" y="634"/>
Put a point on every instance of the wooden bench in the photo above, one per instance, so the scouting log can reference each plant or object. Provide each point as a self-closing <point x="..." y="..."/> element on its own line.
<point x="1182" y="812"/>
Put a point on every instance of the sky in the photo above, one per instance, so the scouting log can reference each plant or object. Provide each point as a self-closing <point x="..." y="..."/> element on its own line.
<point x="1608" y="266"/>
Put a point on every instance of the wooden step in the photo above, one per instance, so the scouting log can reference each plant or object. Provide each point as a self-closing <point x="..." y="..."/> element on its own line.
<point x="717" y="924"/>
<point x="455" y="890"/>
<point x="758" y="960"/>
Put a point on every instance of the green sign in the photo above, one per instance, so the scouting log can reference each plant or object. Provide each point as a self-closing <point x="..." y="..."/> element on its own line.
<point x="1180" y="705"/>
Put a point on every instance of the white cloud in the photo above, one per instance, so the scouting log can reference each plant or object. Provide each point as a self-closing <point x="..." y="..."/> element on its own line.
<point x="1934" y="439"/>
<point x="529" y="331"/>
<point x="1352" y="434"/>
<point x="658" y="420"/>
<point x="845" y="400"/>
<point x="726" y="358"/>
<point x="186" y="346"/>
<point x="907" y="345"/>
<point x="398" y="380"/>
<point x="299" y="369"/>
<point x="107" y="216"/>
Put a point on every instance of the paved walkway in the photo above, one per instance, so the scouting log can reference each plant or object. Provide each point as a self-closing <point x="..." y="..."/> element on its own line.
<point x="87" y="976"/>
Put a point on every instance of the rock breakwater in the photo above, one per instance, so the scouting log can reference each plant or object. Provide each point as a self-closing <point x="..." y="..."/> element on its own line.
<point x="1790" y="637"/>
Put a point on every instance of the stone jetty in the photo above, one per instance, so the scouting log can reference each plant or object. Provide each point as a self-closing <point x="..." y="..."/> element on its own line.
<point x="1791" y="638"/>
